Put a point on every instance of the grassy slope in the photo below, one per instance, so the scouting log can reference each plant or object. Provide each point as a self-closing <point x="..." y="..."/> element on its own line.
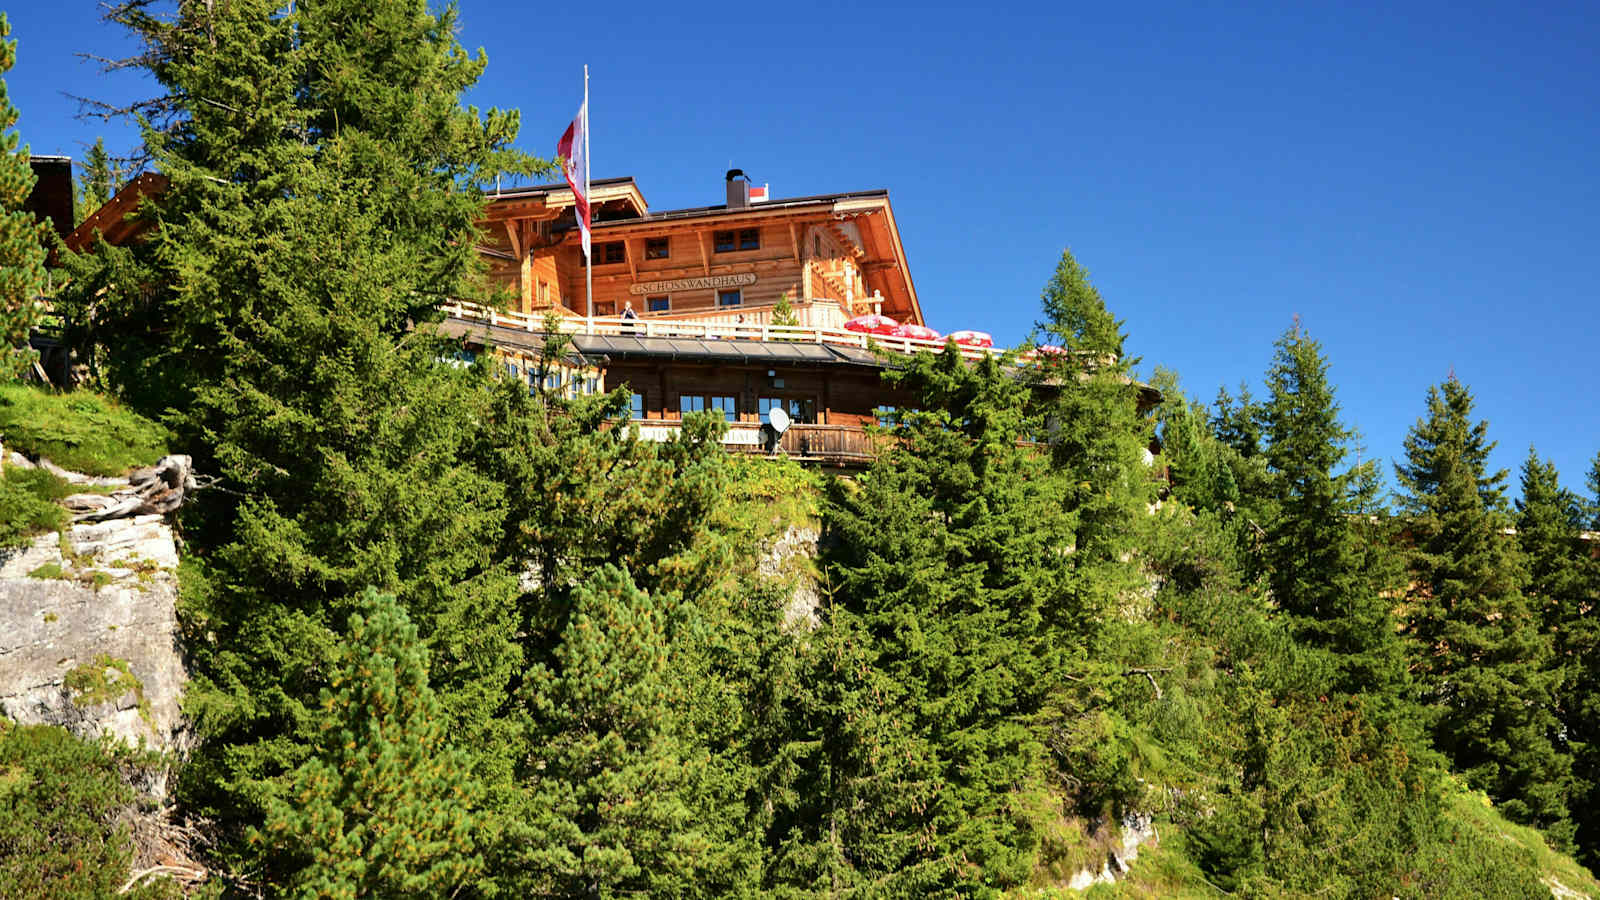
<point x="80" y="430"/>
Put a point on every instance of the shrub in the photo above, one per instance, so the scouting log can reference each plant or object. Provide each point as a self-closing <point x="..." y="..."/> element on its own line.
<point x="59" y="800"/>
<point x="28" y="505"/>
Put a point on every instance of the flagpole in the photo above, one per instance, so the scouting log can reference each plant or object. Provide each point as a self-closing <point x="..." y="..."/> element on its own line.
<point x="588" y="270"/>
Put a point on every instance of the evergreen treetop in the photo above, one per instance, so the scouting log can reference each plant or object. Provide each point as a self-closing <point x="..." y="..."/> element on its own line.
<point x="1482" y="662"/>
<point x="1315" y="566"/>
<point x="22" y="238"/>
<point x="1075" y="313"/>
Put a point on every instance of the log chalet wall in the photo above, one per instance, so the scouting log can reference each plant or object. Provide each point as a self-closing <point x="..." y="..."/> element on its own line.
<point x="840" y="395"/>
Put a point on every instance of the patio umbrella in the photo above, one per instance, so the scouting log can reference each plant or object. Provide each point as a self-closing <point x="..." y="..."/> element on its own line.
<point x="871" y="323"/>
<point x="1045" y="350"/>
<point x="973" y="338"/>
<point x="921" y="332"/>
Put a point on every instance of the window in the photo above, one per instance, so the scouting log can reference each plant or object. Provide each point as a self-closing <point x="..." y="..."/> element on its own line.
<point x="609" y="252"/>
<point x="800" y="409"/>
<point x="730" y="298"/>
<point x="728" y="406"/>
<point x="636" y="406"/>
<point x="887" y="416"/>
<point x="658" y="248"/>
<point x="512" y="371"/>
<point x="658" y="304"/>
<point x="816" y="245"/>
<point x="544" y="293"/>
<point x="742" y="239"/>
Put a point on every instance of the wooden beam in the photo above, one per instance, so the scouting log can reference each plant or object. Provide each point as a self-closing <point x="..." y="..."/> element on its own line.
<point x="512" y="230"/>
<point x="794" y="235"/>
<point x="705" y="252"/>
<point x="630" y="249"/>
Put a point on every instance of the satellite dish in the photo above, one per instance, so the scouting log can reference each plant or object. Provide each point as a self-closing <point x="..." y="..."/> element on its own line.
<point x="778" y="419"/>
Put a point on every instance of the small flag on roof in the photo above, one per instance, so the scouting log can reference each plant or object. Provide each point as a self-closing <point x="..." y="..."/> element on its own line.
<point x="759" y="194"/>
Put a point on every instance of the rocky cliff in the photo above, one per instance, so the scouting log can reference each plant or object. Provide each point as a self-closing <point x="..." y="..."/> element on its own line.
<point x="90" y="641"/>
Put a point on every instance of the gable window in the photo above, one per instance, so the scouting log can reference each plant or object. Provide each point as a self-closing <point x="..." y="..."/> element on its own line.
<point x="730" y="298"/>
<point x="658" y="304"/>
<point x="740" y="239"/>
<point x="658" y="248"/>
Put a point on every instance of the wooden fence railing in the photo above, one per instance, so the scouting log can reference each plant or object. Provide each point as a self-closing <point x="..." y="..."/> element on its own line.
<point x="840" y="444"/>
<point x="615" y="326"/>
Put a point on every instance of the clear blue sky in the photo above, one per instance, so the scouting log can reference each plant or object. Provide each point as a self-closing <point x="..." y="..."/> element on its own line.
<point x="1420" y="184"/>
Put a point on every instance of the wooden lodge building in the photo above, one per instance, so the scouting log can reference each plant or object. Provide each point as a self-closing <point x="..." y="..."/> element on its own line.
<point x="686" y="306"/>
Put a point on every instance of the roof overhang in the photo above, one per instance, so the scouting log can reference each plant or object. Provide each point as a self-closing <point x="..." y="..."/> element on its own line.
<point x="112" y="221"/>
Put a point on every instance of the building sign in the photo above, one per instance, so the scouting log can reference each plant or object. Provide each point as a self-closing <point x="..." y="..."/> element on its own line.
<point x="692" y="284"/>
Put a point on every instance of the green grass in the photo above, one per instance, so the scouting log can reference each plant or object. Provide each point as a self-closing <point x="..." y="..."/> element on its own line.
<point x="28" y="505"/>
<point x="1473" y="812"/>
<point x="79" y="430"/>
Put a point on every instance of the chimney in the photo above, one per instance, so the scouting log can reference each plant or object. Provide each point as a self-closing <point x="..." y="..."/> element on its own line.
<point x="738" y="189"/>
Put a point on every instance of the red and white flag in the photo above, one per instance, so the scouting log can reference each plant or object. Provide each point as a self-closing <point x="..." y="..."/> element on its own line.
<point x="759" y="194"/>
<point x="573" y="149"/>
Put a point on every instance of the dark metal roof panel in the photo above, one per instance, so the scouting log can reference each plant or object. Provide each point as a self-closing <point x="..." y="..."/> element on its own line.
<point x="679" y="348"/>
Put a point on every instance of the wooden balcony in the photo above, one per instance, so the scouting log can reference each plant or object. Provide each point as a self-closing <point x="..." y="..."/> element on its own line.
<point x="708" y="328"/>
<point x="838" y="445"/>
<point x="808" y="314"/>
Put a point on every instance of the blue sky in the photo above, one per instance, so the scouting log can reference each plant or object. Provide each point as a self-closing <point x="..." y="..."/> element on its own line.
<point x="1419" y="182"/>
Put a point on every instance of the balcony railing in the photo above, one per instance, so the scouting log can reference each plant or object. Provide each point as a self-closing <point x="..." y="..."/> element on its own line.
<point x="616" y="326"/>
<point x="835" y="444"/>
<point x="807" y="314"/>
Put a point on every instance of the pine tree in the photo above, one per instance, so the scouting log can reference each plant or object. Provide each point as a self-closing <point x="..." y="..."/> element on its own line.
<point x="607" y="770"/>
<point x="22" y="239"/>
<point x="1482" y="663"/>
<point x="1316" y="568"/>
<point x="385" y="806"/>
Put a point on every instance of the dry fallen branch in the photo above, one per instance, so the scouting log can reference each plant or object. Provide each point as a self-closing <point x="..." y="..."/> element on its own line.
<point x="182" y="873"/>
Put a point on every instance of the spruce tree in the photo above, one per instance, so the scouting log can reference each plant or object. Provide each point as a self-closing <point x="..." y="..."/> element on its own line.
<point x="1317" y="571"/>
<point x="951" y="584"/>
<point x="22" y="238"/>
<point x="1564" y="587"/>
<point x="325" y="185"/>
<point x="98" y="182"/>
<point x="1548" y="523"/>
<point x="1482" y="663"/>
<point x="385" y="806"/>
